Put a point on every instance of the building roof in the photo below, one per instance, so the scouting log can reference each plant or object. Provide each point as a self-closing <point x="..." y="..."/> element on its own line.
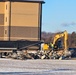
<point x="37" y="1"/>
<point x="32" y="1"/>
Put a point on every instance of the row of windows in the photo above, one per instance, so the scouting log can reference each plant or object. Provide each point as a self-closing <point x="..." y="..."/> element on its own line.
<point x="6" y="21"/>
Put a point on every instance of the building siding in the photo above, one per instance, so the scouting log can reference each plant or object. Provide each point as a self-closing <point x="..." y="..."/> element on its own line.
<point x="19" y="20"/>
<point x="2" y="11"/>
<point x="1" y="19"/>
<point x="24" y="14"/>
<point x="1" y="32"/>
<point x="24" y="32"/>
<point x="2" y="7"/>
<point x="24" y="21"/>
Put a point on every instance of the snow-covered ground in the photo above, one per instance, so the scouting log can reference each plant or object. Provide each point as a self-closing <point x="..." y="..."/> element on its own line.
<point x="37" y="67"/>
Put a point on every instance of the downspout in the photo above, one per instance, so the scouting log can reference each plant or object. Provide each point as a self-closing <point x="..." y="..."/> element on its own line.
<point x="40" y="20"/>
<point x="9" y="20"/>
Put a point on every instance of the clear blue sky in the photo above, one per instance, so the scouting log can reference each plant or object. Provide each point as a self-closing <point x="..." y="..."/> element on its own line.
<point x="59" y="15"/>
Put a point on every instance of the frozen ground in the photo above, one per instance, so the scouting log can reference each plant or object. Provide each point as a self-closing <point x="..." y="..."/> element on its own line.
<point x="37" y="67"/>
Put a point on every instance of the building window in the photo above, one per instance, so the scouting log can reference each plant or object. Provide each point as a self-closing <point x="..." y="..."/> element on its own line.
<point x="6" y="19"/>
<point x="5" y="31"/>
<point x="6" y="7"/>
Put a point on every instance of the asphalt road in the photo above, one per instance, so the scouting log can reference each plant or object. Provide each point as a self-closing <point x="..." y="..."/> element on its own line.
<point x="37" y="67"/>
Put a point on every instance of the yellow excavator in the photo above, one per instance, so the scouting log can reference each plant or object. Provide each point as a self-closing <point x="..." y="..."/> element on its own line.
<point x="63" y="35"/>
<point x="57" y="37"/>
<point x="57" y="50"/>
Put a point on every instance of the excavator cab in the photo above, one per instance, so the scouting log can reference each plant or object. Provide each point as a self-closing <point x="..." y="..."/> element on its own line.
<point x="58" y="44"/>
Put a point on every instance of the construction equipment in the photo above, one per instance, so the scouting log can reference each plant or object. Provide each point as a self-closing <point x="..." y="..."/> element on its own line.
<point x="56" y="39"/>
<point x="57" y="51"/>
<point x="63" y="35"/>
